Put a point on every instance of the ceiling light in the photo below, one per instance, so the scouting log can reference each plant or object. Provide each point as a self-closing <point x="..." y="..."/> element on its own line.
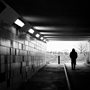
<point x="44" y="40"/>
<point x="41" y="38"/>
<point x="19" y="23"/>
<point x="31" y="31"/>
<point x="37" y="35"/>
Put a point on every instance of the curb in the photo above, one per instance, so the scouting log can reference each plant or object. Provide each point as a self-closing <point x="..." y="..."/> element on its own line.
<point x="69" y="87"/>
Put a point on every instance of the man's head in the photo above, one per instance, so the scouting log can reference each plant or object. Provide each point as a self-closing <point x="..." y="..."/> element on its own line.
<point x="73" y="50"/>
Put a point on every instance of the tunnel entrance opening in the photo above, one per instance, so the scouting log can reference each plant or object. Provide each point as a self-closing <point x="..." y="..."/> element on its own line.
<point x="58" y="52"/>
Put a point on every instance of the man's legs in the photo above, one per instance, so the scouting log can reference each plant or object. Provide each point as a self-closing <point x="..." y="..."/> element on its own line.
<point x="72" y="65"/>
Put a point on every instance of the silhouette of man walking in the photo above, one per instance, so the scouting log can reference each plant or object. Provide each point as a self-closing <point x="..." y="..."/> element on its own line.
<point x="73" y="56"/>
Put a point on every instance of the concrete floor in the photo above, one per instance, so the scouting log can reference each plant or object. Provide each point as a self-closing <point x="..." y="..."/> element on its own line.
<point x="80" y="77"/>
<point x="53" y="77"/>
<point x="50" y="77"/>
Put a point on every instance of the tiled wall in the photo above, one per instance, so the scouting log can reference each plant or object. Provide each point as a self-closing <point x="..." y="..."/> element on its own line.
<point x="19" y="60"/>
<point x="21" y="55"/>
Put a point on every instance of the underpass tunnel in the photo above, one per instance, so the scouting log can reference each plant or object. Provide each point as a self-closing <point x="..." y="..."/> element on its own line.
<point x="23" y="45"/>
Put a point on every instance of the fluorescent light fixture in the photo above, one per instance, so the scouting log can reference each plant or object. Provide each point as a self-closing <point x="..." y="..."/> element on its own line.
<point x="44" y="40"/>
<point x="19" y="23"/>
<point x="41" y="38"/>
<point x="31" y="31"/>
<point x="46" y="28"/>
<point x="37" y="35"/>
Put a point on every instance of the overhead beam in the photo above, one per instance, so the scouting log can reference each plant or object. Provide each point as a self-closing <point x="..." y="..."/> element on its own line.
<point x="65" y="34"/>
<point x="58" y="21"/>
<point x="68" y="39"/>
<point x="68" y="36"/>
<point x="55" y="29"/>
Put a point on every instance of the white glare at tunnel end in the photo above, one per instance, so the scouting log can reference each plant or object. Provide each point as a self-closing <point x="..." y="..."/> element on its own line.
<point x="62" y="46"/>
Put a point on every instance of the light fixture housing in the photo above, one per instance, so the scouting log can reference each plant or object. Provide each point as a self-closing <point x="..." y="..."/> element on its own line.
<point x="37" y="35"/>
<point x="44" y="40"/>
<point x="19" y="23"/>
<point x="41" y="38"/>
<point x="31" y="31"/>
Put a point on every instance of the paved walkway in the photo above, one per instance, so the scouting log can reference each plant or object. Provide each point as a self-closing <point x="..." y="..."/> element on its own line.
<point x="51" y="77"/>
<point x="80" y="78"/>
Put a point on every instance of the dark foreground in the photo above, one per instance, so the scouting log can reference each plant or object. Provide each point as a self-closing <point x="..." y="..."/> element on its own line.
<point x="53" y="77"/>
<point x="50" y="77"/>
<point x="80" y="77"/>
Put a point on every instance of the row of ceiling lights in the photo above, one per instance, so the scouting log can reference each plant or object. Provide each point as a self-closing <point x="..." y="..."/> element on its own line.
<point x="37" y="35"/>
<point x="31" y="31"/>
<point x="21" y="23"/>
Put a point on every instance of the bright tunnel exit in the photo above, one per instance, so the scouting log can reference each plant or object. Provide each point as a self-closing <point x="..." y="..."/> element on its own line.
<point x="63" y="49"/>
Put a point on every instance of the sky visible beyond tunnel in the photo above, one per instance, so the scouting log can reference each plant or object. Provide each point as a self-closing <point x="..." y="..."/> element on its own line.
<point x="63" y="46"/>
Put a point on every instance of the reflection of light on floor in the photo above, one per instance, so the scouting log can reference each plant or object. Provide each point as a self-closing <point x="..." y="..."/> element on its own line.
<point x="79" y="64"/>
<point x="54" y="65"/>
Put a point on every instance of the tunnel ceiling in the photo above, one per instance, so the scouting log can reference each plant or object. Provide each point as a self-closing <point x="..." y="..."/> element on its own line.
<point x="59" y="20"/>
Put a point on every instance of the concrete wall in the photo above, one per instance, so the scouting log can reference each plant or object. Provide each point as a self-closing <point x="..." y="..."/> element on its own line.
<point x="21" y="55"/>
<point x="19" y="60"/>
<point x="88" y="55"/>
